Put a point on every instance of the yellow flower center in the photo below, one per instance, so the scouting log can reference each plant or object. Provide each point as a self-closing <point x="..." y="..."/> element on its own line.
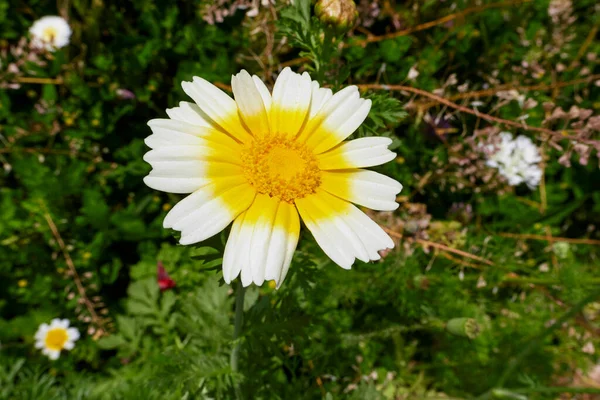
<point x="56" y="338"/>
<point x="49" y="34"/>
<point x="279" y="167"/>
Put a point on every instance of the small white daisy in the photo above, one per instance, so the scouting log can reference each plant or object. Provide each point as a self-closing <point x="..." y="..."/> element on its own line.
<point x="265" y="160"/>
<point x="518" y="160"/>
<point x="54" y="338"/>
<point x="50" y="33"/>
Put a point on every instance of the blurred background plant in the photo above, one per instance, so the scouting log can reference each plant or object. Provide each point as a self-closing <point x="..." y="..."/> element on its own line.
<point x="492" y="290"/>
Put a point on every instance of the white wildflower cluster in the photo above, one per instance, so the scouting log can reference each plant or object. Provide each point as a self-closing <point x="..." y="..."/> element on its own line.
<point x="517" y="159"/>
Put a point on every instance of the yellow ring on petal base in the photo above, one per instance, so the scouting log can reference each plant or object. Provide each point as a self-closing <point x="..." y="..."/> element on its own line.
<point x="56" y="338"/>
<point x="280" y="167"/>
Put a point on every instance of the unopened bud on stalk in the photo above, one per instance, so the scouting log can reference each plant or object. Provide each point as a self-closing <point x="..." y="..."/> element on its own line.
<point x="340" y="14"/>
<point x="421" y="282"/>
<point x="465" y="327"/>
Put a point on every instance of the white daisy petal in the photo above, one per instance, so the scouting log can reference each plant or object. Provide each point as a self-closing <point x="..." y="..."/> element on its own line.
<point x="357" y="153"/>
<point x="366" y="188"/>
<point x="73" y="334"/>
<point x="326" y="237"/>
<point x="221" y="108"/>
<point x="291" y="102"/>
<point x="209" y="210"/>
<point x="190" y="113"/>
<point x="342" y="230"/>
<point x="372" y="236"/>
<point x="337" y="119"/>
<point x="320" y="96"/>
<point x="41" y="332"/>
<point x="262" y="242"/>
<point x="264" y="92"/>
<point x="250" y="103"/>
<point x="168" y="132"/>
<point x="233" y="247"/>
<point x="69" y="345"/>
<point x="53" y="354"/>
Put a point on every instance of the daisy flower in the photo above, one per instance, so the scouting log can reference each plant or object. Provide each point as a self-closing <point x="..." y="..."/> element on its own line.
<point x="517" y="160"/>
<point x="54" y="338"/>
<point x="265" y="160"/>
<point x="50" y="33"/>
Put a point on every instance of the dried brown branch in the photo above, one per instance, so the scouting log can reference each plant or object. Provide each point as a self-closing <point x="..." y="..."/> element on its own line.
<point x="40" y="81"/>
<point x="588" y="41"/>
<point x="440" y="21"/>
<point x="502" y="88"/>
<point x="427" y="243"/>
<point x="443" y="247"/>
<point x="487" y="117"/>
<point x="97" y="321"/>
<point x="551" y="239"/>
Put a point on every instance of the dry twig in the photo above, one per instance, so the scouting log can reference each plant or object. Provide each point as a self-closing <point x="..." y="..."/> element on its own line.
<point x="97" y="321"/>
<point x="440" y="21"/>
<point x="487" y="117"/>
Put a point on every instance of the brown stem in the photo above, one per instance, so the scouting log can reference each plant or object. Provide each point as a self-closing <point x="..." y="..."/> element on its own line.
<point x="501" y="88"/>
<point x="550" y="239"/>
<point x="440" y="21"/>
<point x="97" y="321"/>
<point x="476" y="113"/>
<point x="427" y="243"/>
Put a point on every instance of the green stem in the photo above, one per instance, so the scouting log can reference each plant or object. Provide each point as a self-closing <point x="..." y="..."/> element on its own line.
<point x="237" y="329"/>
<point x="537" y="340"/>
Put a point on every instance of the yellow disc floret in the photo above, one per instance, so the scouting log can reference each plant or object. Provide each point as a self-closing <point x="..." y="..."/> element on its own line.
<point x="56" y="338"/>
<point x="49" y="34"/>
<point x="280" y="167"/>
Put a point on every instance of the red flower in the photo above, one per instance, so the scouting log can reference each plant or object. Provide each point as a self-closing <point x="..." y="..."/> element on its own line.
<point x="164" y="280"/>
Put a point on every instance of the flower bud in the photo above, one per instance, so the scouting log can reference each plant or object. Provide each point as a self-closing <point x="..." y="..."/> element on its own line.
<point x="340" y="14"/>
<point x="421" y="282"/>
<point x="465" y="327"/>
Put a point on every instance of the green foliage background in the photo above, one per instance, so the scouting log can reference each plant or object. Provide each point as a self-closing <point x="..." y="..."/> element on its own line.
<point x="375" y="332"/>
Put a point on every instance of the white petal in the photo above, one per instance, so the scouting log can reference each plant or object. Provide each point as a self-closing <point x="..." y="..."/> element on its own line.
<point x="68" y="345"/>
<point x="42" y="331"/>
<point x="291" y="102"/>
<point x="215" y="103"/>
<point x="327" y="238"/>
<point x="264" y="92"/>
<point x="191" y="114"/>
<point x="371" y="234"/>
<point x="366" y="188"/>
<point x="285" y="237"/>
<point x="262" y="242"/>
<point x="322" y="214"/>
<point x="40" y="344"/>
<point x="209" y="210"/>
<point x="250" y="103"/>
<point x="73" y="334"/>
<point x="168" y="132"/>
<point x="175" y="185"/>
<point x="342" y="230"/>
<point x="340" y="124"/>
<point x="53" y="354"/>
<point x="233" y="247"/>
<point x="357" y="153"/>
<point x="319" y="97"/>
